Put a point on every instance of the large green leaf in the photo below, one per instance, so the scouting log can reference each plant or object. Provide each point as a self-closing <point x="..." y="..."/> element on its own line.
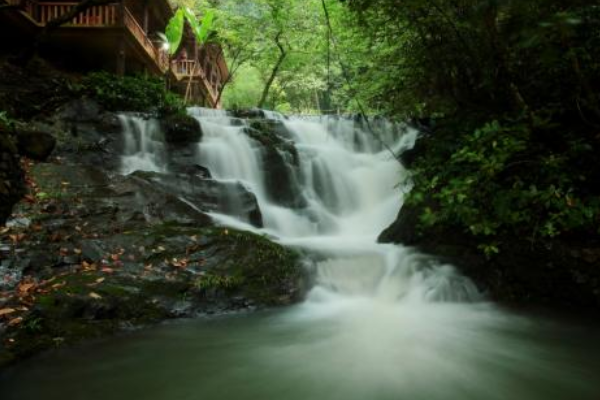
<point x="174" y="31"/>
<point x="206" y="27"/>
<point x="201" y="30"/>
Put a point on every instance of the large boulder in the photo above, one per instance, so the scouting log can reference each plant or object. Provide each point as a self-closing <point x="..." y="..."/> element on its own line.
<point x="35" y="145"/>
<point x="181" y="129"/>
<point x="281" y="162"/>
<point x="561" y="274"/>
<point x="208" y="195"/>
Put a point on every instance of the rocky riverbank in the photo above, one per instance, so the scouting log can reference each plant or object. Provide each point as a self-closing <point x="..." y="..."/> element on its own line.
<point x="557" y="273"/>
<point x="90" y="250"/>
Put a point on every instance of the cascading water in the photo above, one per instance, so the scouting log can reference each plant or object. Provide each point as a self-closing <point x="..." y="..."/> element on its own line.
<point x="381" y="322"/>
<point x="350" y="183"/>
<point x="144" y="148"/>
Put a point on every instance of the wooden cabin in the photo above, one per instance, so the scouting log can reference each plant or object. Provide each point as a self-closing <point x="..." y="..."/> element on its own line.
<point x="120" y="37"/>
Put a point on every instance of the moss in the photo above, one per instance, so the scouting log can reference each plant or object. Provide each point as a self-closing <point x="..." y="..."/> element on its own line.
<point x="265" y="271"/>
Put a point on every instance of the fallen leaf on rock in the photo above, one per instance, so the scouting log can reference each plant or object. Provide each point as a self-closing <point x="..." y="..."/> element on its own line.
<point x="25" y="287"/>
<point x="95" y="295"/>
<point x="6" y="311"/>
<point x="15" y="321"/>
<point x="17" y="237"/>
<point x="87" y="266"/>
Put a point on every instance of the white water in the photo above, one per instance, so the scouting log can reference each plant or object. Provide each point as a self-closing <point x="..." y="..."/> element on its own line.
<point x="144" y="148"/>
<point x="353" y="188"/>
<point x="382" y="321"/>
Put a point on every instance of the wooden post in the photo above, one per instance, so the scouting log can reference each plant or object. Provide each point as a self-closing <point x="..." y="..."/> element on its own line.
<point x="146" y="17"/>
<point x="121" y="57"/>
<point x="121" y="65"/>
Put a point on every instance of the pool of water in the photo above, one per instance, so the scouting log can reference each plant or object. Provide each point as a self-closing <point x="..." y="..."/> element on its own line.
<point x="355" y="350"/>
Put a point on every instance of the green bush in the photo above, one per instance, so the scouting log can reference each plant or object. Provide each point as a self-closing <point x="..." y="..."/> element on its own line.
<point x="498" y="181"/>
<point x="5" y="121"/>
<point x="132" y="93"/>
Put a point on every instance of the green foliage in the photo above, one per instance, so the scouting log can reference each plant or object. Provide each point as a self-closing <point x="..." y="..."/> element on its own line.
<point x="174" y="31"/>
<point x="245" y="90"/>
<point x="176" y="27"/>
<point x="6" y="122"/>
<point x="496" y="181"/>
<point x="138" y="93"/>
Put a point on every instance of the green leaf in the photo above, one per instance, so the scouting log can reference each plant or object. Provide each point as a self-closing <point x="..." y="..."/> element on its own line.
<point x="206" y="27"/>
<point x="174" y="31"/>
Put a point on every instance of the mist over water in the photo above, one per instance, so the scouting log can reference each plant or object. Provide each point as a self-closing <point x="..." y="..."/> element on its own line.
<point x="381" y="322"/>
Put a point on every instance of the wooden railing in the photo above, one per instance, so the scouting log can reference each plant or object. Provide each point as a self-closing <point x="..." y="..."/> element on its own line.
<point x="190" y="68"/>
<point x="185" y="68"/>
<point x="29" y="5"/>
<point x="94" y="16"/>
<point x="139" y="33"/>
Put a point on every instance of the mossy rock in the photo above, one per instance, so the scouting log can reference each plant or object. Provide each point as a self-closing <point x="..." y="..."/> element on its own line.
<point x="181" y="129"/>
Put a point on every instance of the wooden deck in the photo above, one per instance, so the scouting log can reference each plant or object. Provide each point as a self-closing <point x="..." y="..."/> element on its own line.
<point x="185" y="69"/>
<point x="101" y="25"/>
<point x="108" y="16"/>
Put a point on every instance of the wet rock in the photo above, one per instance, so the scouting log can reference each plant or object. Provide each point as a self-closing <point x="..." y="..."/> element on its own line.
<point x="524" y="273"/>
<point x="12" y="182"/>
<point x="248" y="113"/>
<point x="281" y="163"/>
<point x="194" y="170"/>
<point x="35" y="145"/>
<point x="224" y="270"/>
<point x="207" y="195"/>
<point x="81" y="110"/>
<point x="181" y="129"/>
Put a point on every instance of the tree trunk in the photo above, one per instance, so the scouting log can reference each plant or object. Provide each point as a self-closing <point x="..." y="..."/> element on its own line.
<point x="282" y="55"/>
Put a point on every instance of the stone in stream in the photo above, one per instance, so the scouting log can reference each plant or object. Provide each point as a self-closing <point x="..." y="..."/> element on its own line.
<point x="280" y="162"/>
<point x="35" y="145"/>
<point x="181" y="129"/>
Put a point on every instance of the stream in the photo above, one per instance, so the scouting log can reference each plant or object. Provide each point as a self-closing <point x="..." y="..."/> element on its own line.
<point x="380" y="322"/>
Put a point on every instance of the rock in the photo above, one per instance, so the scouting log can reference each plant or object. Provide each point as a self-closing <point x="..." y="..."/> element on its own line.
<point x="404" y="229"/>
<point x="35" y="145"/>
<point x="181" y="129"/>
<point x="194" y="169"/>
<point x="81" y="110"/>
<point x="225" y="270"/>
<point x="248" y="113"/>
<point x="281" y="163"/>
<point x="524" y="273"/>
<point x="12" y="180"/>
<point x="206" y="194"/>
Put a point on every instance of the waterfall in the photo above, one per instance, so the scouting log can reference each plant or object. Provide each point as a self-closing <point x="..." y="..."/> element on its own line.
<point x="143" y="144"/>
<point x="381" y="322"/>
<point x="351" y="186"/>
